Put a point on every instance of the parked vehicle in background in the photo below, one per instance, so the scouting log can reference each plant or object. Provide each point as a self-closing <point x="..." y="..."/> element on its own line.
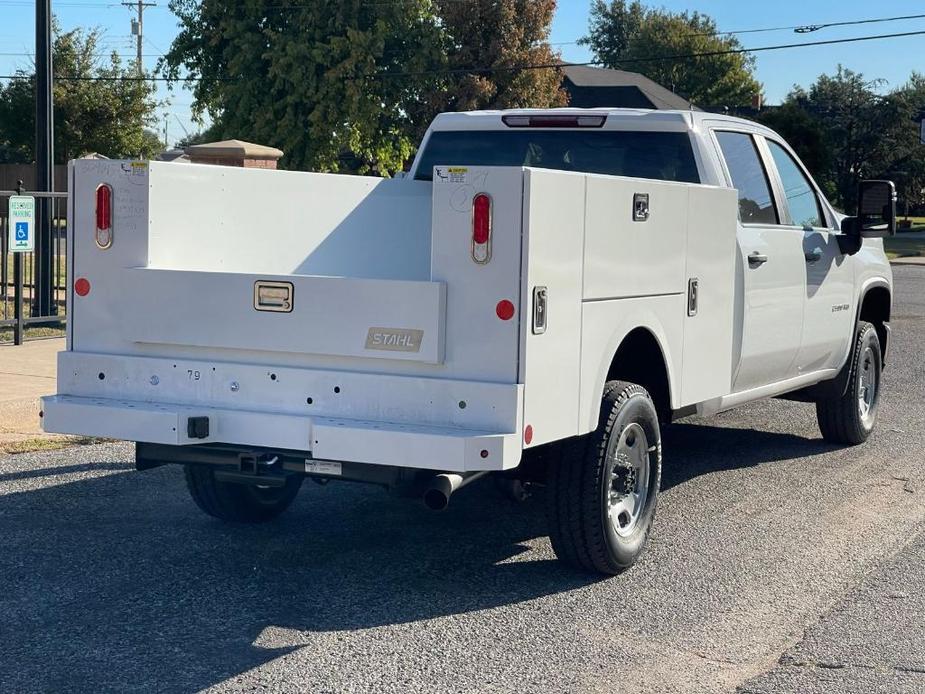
<point x="542" y="292"/>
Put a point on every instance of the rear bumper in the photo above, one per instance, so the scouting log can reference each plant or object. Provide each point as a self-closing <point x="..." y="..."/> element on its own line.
<point x="399" y="445"/>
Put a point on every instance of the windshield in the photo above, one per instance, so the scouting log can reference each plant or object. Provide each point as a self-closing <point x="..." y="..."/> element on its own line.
<point x="664" y="156"/>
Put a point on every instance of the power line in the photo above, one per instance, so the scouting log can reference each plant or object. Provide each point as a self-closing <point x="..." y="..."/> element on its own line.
<point x="514" y="68"/>
<point x="797" y="28"/>
<point x="95" y="55"/>
<point x="649" y="59"/>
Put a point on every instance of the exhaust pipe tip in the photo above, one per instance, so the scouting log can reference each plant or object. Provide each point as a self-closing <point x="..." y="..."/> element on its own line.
<point x="441" y="487"/>
<point x="436" y="500"/>
<point x="438" y="492"/>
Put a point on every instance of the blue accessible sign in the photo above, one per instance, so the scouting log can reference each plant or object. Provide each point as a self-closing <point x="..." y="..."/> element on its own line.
<point x="22" y="223"/>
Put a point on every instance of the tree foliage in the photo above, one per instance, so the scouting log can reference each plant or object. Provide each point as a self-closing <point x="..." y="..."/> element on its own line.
<point x="312" y="79"/>
<point x="845" y="130"/>
<point x="487" y="40"/>
<point x="350" y="85"/>
<point x="631" y="36"/>
<point x="99" y="112"/>
<point x="908" y="166"/>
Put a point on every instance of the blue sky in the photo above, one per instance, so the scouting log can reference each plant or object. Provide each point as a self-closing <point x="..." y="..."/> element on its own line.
<point x="892" y="59"/>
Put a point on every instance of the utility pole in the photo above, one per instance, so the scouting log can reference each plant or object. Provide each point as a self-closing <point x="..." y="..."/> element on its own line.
<point x="44" y="160"/>
<point x="138" y="28"/>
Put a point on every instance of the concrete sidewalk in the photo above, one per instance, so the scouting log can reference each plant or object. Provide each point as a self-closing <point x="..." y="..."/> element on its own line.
<point x="27" y="372"/>
<point x="909" y="260"/>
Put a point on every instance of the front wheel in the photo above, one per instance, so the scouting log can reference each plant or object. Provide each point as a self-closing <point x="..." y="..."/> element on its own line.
<point x="850" y="418"/>
<point x="239" y="503"/>
<point x="602" y="492"/>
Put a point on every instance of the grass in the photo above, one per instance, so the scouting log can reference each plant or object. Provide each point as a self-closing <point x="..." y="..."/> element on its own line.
<point x="32" y="333"/>
<point x="28" y="264"/>
<point x="899" y="247"/>
<point x="8" y="310"/>
<point x="45" y="443"/>
<point x="918" y="224"/>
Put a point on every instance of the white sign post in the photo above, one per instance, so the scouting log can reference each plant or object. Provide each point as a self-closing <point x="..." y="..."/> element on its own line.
<point x="22" y="224"/>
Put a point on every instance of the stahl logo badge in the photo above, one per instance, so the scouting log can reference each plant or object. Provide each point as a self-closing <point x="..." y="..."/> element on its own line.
<point x="394" y="339"/>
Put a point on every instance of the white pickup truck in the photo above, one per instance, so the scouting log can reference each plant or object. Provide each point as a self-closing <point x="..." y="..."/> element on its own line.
<point x="539" y="293"/>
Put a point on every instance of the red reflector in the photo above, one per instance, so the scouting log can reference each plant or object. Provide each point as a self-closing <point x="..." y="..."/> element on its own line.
<point x="104" y="207"/>
<point x="484" y="453"/>
<point x="505" y="309"/>
<point x="82" y="286"/>
<point x="528" y="435"/>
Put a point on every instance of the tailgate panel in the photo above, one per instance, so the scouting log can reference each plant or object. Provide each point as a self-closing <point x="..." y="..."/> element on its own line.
<point x="343" y="316"/>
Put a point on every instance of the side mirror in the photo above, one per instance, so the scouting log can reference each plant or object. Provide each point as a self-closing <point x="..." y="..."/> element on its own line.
<point x="876" y="216"/>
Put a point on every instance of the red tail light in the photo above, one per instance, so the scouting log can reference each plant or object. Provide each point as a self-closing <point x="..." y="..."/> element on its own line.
<point x="481" y="228"/>
<point x="104" y="215"/>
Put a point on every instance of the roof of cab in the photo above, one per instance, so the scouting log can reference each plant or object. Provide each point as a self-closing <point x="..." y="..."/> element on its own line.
<point x="616" y="118"/>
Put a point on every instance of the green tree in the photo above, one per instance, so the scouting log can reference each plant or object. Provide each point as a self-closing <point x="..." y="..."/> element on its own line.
<point x="805" y="132"/>
<point x="863" y="131"/>
<point x="101" y="111"/>
<point x="351" y="85"/>
<point x="631" y="36"/>
<point x="335" y="85"/>
<point x="846" y="130"/>
<point x="487" y="40"/>
<point x="908" y="168"/>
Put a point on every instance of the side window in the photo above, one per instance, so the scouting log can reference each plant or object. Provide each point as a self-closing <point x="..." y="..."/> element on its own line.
<point x="756" y="204"/>
<point x="801" y="198"/>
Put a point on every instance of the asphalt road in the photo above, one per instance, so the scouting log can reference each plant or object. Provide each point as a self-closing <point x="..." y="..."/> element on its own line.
<point x="771" y="569"/>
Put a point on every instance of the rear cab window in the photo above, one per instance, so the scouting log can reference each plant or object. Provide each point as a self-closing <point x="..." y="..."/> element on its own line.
<point x="664" y="156"/>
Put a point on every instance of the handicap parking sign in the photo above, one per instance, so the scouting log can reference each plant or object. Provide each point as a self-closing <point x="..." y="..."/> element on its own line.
<point x="22" y="223"/>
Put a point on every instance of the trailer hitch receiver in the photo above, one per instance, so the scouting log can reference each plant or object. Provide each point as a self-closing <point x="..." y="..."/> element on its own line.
<point x="197" y="427"/>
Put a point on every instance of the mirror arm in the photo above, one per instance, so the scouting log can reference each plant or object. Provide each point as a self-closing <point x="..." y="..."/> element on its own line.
<point x="849" y="241"/>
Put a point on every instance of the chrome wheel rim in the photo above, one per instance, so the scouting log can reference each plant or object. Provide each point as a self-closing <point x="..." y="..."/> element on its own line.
<point x="867" y="386"/>
<point x="628" y="484"/>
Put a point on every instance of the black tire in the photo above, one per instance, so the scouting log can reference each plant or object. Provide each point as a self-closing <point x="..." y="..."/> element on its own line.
<point x="585" y="485"/>
<point x="850" y="418"/>
<point x="238" y="503"/>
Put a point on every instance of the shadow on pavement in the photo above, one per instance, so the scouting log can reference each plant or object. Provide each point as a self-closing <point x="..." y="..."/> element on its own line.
<point x="119" y="583"/>
<point x="692" y="450"/>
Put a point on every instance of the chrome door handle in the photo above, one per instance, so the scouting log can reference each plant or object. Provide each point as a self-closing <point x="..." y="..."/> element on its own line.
<point x="813" y="256"/>
<point x="755" y="259"/>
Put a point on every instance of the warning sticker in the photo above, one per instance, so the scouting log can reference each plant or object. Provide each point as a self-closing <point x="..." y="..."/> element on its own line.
<point x="323" y="467"/>
<point x="451" y="174"/>
<point x="135" y="168"/>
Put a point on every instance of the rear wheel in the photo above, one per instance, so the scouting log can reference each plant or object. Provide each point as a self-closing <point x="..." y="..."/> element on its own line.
<point x="239" y="503"/>
<point x="602" y="492"/>
<point x="850" y="418"/>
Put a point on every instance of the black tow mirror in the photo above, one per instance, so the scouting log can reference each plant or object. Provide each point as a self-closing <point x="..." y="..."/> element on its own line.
<point x="876" y="217"/>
